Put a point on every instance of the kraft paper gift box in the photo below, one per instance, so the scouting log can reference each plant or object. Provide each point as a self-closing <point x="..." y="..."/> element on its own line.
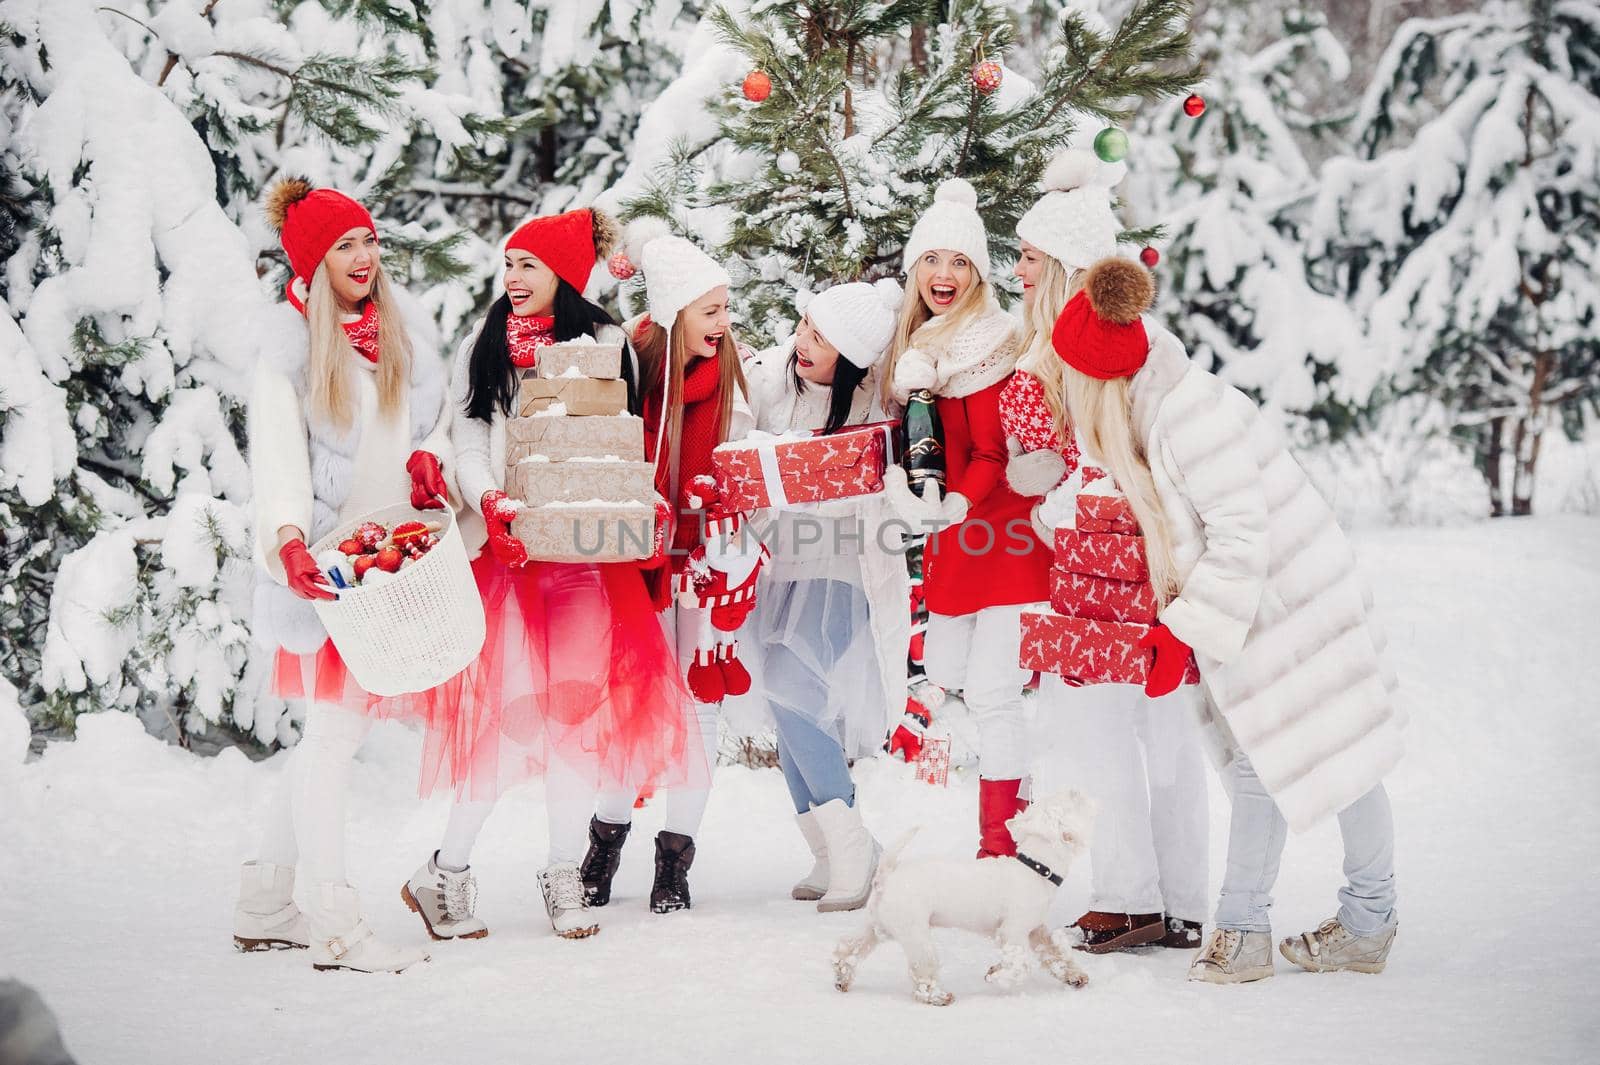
<point x="574" y="358"/>
<point x="1089" y="652"/>
<point x="1100" y="554"/>
<point x="1102" y="598"/>
<point x="573" y="480"/>
<point x="578" y="396"/>
<point x="764" y="470"/>
<point x="586" y="531"/>
<point x="558" y="436"/>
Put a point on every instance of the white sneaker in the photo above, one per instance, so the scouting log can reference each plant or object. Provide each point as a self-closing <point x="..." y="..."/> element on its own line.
<point x="266" y="917"/>
<point x="1233" y="957"/>
<point x="563" y="901"/>
<point x="852" y="857"/>
<point x="814" y="884"/>
<point x="1334" y="948"/>
<point x="342" y="939"/>
<point x="445" y="901"/>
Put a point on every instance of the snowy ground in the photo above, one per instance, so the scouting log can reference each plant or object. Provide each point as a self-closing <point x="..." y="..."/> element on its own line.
<point x="124" y="856"/>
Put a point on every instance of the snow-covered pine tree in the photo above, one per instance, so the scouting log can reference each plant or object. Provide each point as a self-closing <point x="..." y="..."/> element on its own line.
<point x="1230" y="187"/>
<point x="871" y="105"/>
<point x="1467" y="226"/>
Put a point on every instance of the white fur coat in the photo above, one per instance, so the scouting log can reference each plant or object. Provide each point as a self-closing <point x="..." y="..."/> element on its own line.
<point x="1271" y="600"/>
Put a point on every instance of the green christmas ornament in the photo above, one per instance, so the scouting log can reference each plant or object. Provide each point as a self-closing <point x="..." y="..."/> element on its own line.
<point x="1111" y="144"/>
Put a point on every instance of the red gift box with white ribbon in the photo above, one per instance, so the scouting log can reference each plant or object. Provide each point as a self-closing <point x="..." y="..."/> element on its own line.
<point x="763" y="470"/>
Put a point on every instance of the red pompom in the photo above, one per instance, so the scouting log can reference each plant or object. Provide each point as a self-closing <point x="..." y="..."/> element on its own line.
<point x="1194" y="105"/>
<point x="986" y="76"/>
<point x="621" y="266"/>
<point x="1149" y="256"/>
<point x="757" y="86"/>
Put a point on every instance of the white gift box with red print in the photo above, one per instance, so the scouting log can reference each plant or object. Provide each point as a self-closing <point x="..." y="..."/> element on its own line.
<point x="764" y="470"/>
<point x="933" y="761"/>
<point x="1088" y="651"/>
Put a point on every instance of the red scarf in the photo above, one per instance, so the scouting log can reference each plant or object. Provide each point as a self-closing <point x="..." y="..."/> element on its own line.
<point x="526" y="334"/>
<point x="363" y="332"/>
<point x="701" y="402"/>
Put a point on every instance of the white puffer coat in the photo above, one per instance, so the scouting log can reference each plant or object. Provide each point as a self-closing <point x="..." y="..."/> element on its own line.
<point x="1271" y="601"/>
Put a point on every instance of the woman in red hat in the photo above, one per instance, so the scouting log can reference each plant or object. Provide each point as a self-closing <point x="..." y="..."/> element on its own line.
<point x="346" y="417"/>
<point x="576" y="680"/>
<point x="1254" y="578"/>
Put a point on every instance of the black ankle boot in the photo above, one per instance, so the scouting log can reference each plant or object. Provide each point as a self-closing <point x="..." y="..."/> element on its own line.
<point x="600" y="864"/>
<point x="674" y="855"/>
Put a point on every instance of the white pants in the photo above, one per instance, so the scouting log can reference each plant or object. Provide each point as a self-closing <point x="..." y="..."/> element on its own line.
<point x="305" y="827"/>
<point x="1140" y="760"/>
<point x="977" y="654"/>
<point x="686" y="807"/>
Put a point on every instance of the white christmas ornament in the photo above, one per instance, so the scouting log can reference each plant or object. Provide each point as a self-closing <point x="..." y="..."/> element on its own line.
<point x="788" y="163"/>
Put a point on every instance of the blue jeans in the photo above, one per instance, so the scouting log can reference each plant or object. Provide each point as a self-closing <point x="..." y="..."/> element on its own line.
<point x="795" y="674"/>
<point x="812" y="761"/>
<point x="1256" y="834"/>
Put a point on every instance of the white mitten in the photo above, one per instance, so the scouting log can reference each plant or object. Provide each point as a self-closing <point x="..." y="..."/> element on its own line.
<point x="1033" y="473"/>
<point x="1060" y="506"/>
<point x="914" y="370"/>
<point x="925" y="512"/>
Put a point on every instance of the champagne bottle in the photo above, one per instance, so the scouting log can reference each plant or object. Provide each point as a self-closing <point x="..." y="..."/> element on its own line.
<point x="922" y="443"/>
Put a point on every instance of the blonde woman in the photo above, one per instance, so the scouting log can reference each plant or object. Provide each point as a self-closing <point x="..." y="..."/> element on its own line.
<point x="1253" y="573"/>
<point x="982" y="564"/>
<point x="1139" y="757"/>
<point x="347" y="416"/>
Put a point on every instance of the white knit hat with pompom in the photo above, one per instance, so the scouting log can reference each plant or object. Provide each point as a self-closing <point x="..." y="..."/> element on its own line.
<point x="676" y="271"/>
<point x="1072" y="222"/>
<point x="951" y="223"/>
<point x="857" y="318"/>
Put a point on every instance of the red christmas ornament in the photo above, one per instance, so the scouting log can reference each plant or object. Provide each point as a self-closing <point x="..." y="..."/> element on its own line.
<point x="389" y="559"/>
<point x="351" y="547"/>
<point x="1194" y="106"/>
<point x="1149" y="256"/>
<point x="362" y="564"/>
<point x="370" y="534"/>
<point x="986" y="76"/>
<point x="407" y="531"/>
<point x="757" y="86"/>
<point x="620" y="266"/>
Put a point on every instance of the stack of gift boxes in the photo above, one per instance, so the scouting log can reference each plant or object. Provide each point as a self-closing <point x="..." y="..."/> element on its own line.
<point x="1101" y="596"/>
<point x="575" y="457"/>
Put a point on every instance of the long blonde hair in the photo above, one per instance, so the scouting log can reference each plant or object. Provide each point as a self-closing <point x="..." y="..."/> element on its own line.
<point x="332" y="393"/>
<point x="1051" y="291"/>
<point x="918" y="324"/>
<point x="1102" y="411"/>
<point x="651" y="347"/>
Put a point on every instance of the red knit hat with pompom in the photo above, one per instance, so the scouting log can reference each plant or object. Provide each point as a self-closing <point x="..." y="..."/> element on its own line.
<point x="310" y="220"/>
<point x="1099" y="332"/>
<point x="567" y="243"/>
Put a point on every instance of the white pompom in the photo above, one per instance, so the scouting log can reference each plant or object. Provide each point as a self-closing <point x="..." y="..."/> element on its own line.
<point x="1072" y="169"/>
<point x="642" y="231"/>
<point x="889" y="292"/>
<point x="956" y="190"/>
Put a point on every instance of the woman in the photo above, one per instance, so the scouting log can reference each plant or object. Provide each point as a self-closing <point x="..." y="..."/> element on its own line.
<point x="576" y="680"/>
<point x="346" y="417"/>
<point x="1138" y="757"/>
<point x="982" y="564"/>
<point x="831" y="627"/>
<point x="1254" y="574"/>
<point x="693" y="392"/>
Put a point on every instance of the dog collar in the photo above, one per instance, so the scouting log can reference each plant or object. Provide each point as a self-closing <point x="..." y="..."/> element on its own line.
<point x="1040" y="868"/>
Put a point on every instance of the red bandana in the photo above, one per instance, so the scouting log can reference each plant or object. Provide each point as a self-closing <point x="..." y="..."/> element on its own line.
<point x="363" y="332"/>
<point x="525" y="335"/>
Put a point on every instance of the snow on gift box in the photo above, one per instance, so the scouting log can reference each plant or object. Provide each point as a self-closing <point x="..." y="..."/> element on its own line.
<point x="764" y="470"/>
<point x="420" y="625"/>
<point x="579" y="358"/>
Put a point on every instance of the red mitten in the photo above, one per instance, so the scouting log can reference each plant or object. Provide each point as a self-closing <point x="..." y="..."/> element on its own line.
<point x="735" y="678"/>
<point x="662" y="537"/>
<point x="906" y="741"/>
<point x="705" y="678"/>
<point x="428" y="490"/>
<point x="498" y="510"/>
<point x="1171" y="661"/>
<point x="301" y="572"/>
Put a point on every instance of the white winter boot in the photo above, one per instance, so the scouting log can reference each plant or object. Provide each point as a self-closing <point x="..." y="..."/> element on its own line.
<point x="814" y="884"/>
<point x="444" y="900"/>
<point x="342" y="939"/>
<point x="852" y="857"/>
<point x="1333" y="948"/>
<point x="1233" y="957"/>
<point x="562" y="888"/>
<point x="266" y="917"/>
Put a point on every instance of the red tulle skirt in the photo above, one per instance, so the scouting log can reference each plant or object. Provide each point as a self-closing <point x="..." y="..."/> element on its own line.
<point x="576" y="669"/>
<point x="324" y="678"/>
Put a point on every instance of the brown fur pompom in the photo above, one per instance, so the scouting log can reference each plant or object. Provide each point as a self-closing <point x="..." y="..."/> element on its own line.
<point x="607" y="232"/>
<point x="1119" y="290"/>
<point x="283" y="195"/>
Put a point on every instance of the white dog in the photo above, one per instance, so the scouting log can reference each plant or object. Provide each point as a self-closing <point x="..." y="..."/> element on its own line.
<point x="1003" y="897"/>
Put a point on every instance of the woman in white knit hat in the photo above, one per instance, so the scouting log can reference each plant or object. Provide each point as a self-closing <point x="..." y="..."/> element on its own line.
<point x="693" y="397"/>
<point x="831" y="627"/>
<point x="954" y="341"/>
<point x="1139" y="757"/>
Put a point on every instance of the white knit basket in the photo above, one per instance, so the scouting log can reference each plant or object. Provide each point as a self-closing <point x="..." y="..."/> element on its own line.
<point x="417" y="629"/>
